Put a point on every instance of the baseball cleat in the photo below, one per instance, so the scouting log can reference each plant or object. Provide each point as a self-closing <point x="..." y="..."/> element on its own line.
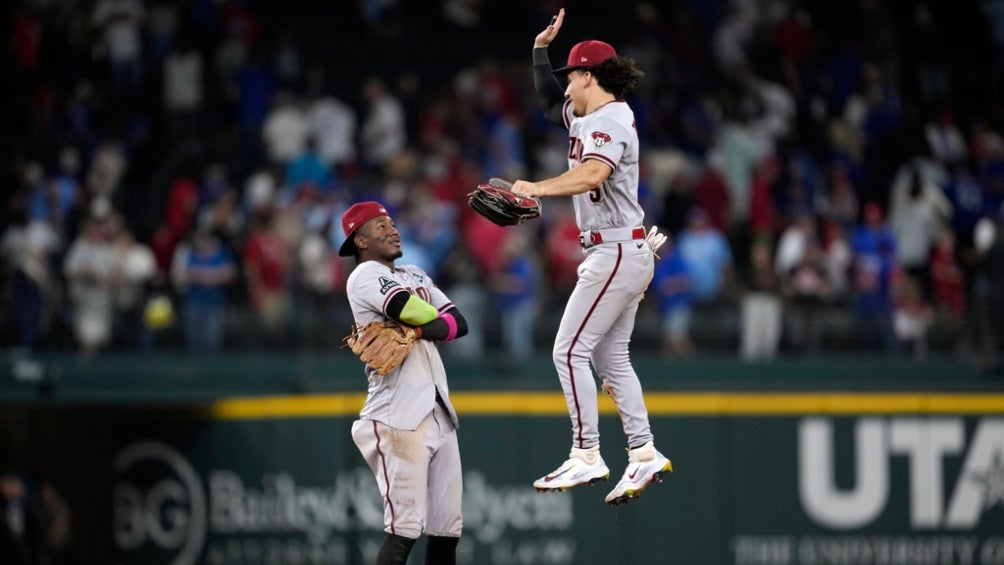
<point x="583" y="467"/>
<point x="645" y="466"/>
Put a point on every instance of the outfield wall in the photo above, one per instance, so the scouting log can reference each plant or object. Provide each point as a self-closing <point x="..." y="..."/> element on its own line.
<point x="777" y="471"/>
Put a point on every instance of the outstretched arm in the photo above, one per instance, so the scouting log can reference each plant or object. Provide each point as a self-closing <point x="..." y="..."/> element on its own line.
<point x="582" y="178"/>
<point x="550" y="92"/>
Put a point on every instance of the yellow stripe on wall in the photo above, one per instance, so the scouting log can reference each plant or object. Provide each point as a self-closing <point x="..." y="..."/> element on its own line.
<point x="287" y="406"/>
<point x="659" y="404"/>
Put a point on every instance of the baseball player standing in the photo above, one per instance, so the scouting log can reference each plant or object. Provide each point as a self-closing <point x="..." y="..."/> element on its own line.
<point x="407" y="429"/>
<point x="618" y="263"/>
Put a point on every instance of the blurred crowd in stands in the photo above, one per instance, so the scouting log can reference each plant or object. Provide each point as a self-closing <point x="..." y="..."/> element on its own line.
<point x="832" y="174"/>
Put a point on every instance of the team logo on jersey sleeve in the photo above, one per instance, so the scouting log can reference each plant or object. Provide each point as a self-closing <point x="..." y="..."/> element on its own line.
<point x="600" y="139"/>
<point x="387" y="284"/>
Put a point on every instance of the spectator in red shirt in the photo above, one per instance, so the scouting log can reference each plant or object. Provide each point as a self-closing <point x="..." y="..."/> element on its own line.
<point x="793" y="37"/>
<point x="711" y="194"/>
<point x="562" y="248"/>
<point x="182" y="201"/>
<point x="946" y="277"/>
<point x="763" y="217"/>
<point x="265" y="270"/>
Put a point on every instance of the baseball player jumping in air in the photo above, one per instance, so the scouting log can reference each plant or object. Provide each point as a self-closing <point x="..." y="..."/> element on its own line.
<point x="619" y="258"/>
<point x="407" y="429"/>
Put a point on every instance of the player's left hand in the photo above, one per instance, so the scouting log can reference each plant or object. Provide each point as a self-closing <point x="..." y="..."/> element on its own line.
<point x="545" y="37"/>
<point x="655" y="240"/>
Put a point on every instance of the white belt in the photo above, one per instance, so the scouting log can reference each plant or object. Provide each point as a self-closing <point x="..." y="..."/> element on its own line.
<point x="612" y="235"/>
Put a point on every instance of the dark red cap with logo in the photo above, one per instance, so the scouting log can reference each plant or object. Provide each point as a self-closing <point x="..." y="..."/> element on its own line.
<point x="353" y="218"/>
<point x="586" y="54"/>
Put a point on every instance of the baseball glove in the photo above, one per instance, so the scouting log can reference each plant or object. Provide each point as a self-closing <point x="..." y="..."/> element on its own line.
<point x="381" y="345"/>
<point x="496" y="201"/>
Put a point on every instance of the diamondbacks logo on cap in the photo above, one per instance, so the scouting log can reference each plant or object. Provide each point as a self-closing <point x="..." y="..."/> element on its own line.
<point x="600" y="139"/>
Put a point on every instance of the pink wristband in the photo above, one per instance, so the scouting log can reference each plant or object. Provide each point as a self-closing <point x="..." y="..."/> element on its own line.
<point x="451" y="324"/>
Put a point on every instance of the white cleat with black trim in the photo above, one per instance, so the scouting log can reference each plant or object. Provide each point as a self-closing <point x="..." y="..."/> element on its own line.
<point x="645" y="466"/>
<point x="583" y="467"/>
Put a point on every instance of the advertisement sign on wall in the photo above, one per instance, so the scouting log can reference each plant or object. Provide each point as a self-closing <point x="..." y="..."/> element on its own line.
<point x="781" y="488"/>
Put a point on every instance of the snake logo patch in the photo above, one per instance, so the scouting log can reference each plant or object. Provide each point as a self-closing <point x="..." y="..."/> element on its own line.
<point x="600" y="139"/>
<point x="387" y="284"/>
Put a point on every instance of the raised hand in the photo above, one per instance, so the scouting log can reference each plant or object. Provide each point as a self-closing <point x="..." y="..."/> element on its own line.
<point x="545" y="37"/>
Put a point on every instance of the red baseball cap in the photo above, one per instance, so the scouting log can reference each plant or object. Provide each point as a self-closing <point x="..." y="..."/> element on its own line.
<point x="586" y="54"/>
<point x="353" y="218"/>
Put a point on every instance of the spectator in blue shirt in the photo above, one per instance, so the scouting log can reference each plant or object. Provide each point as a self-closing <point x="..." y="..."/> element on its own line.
<point x="207" y="269"/>
<point x="514" y="291"/>
<point x="874" y="247"/>
<point x="707" y="254"/>
<point x="671" y="283"/>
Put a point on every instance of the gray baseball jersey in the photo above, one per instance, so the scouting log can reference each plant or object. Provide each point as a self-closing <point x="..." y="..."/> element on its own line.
<point x="408" y="437"/>
<point x="404" y="397"/>
<point x="600" y="314"/>
<point x="608" y="134"/>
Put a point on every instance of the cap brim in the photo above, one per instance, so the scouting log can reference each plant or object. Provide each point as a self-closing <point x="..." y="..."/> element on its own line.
<point x="564" y="70"/>
<point x="348" y="248"/>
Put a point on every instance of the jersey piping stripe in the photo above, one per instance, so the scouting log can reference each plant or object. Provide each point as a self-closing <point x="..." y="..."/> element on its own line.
<point x="565" y="112"/>
<point x="599" y="157"/>
<point x="582" y="326"/>
<point x="386" y="478"/>
<point x="660" y="404"/>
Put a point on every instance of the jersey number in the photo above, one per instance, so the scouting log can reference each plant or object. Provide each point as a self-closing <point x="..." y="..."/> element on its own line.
<point x="424" y="294"/>
<point x="575" y="150"/>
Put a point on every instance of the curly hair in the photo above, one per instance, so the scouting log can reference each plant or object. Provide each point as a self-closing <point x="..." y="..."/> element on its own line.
<point x="617" y="75"/>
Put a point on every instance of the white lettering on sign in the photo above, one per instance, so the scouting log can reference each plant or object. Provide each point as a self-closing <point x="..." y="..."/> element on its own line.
<point x="168" y="511"/>
<point x="489" y="510"/>
<point x="865" y="550"/>
<point x="163" y="506"/>
<point x="926" y="443"/>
